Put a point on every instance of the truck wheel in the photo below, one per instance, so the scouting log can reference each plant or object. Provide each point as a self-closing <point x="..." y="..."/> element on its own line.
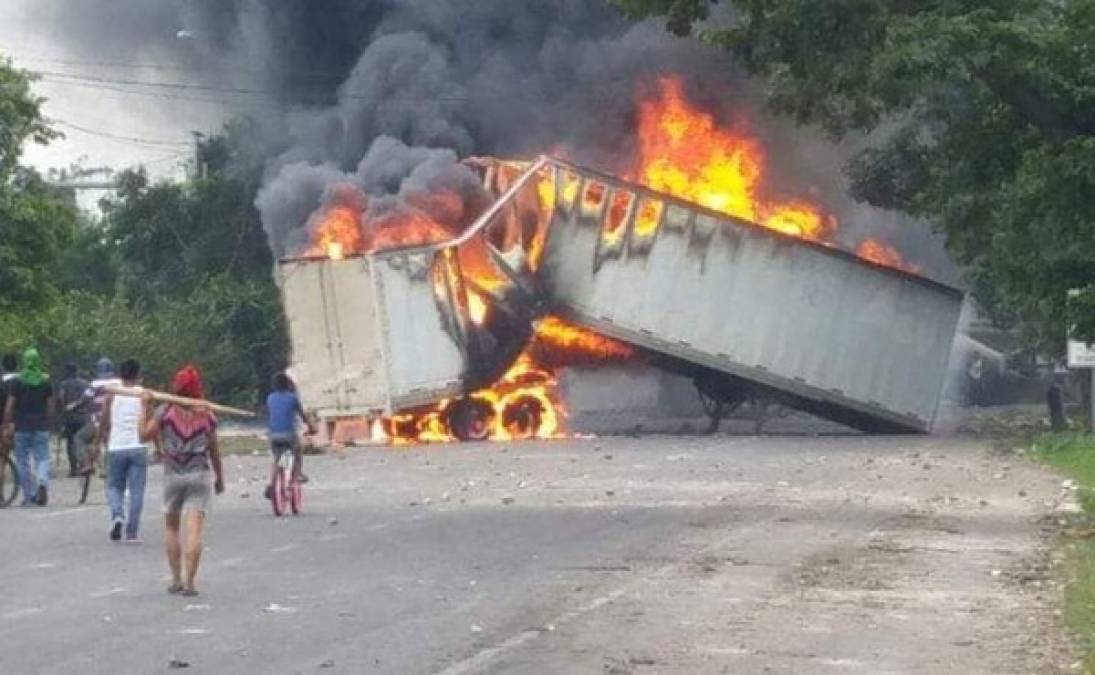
<point x="469" y="419"/>
<point x="523" y="416"/>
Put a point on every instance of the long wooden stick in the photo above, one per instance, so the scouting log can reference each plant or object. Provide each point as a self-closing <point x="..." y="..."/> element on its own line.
<point x="164" y="397"/>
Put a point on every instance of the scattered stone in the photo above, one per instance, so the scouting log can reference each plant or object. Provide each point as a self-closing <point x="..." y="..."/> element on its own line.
<point x="275" y="608"/>
<point x="995" y="573"/>
<point x="476" y="628"/>
<point x="927" y="465"/>
<point x="610" y="493"/>
<point x="608" y="456"/>
<point x="178" y="663"/>
<point x="522" y="485"/>
<point x="329" y="663"/>
<point x="245" y="495"/>
<point x="998" y="476"/>
<point x="1022" y="493"/>
<point x="427" y="501"/>
<point x="196" y="608"/>
<point x="508" y="500"/>
<point x="983" y="502"/>
<point x="446" y="497"/>
<point x="332" y="521"/>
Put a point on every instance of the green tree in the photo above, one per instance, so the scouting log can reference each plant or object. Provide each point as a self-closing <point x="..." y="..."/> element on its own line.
<point x="190" y="261"/>
<point x="36" y="221"/>
<point x="981" y="118"/>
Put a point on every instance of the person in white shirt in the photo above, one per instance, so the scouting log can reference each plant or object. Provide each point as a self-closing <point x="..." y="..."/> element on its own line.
<point x="126" y="456"/>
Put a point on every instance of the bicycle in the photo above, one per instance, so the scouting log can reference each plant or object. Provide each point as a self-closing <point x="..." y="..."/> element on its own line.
<point x="288" y="493"/>
<point x="74" y="487"/>
<point x="9" y="478"/>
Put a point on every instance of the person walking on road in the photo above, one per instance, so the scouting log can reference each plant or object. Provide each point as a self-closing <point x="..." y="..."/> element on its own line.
<point x="126" y="456"/>
<point x="27" y="418"/>
<point x="188" y="439"/>
<point x="75" y="414"/>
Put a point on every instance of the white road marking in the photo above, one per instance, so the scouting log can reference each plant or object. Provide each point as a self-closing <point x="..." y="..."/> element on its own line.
<point x="63" y="512"/>
<point x="482" y="658"/>
<point x="113" y="591"/>
<point x="23" y="613"/>
<point x="476" y="661"/>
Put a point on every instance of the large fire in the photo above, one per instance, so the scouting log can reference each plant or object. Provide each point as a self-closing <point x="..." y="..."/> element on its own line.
<point x="682" y="151"/>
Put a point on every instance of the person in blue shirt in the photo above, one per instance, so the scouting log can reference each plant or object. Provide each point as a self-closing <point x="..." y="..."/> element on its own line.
<point x="283" y="410"/>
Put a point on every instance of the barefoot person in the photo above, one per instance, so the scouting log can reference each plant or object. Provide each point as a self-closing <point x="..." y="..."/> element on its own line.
<point x="188" y="439"/>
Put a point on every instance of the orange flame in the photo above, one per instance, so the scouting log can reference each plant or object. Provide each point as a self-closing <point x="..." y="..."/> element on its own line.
<point x="883" y="254"/>
<point x="684" y="152"/>
<point x="337" y="233"/>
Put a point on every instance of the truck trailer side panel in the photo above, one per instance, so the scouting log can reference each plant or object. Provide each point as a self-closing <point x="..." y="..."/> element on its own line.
<point x="818" y="323"/>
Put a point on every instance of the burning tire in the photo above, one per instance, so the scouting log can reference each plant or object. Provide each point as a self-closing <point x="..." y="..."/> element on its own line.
<point x="469" y="419"/>
<point x="523" y="416"/>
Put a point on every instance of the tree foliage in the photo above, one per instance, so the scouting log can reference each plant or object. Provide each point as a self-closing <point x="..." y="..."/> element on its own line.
<point x="36" y="221"/>
<point x="981" y="115"/>
<point x="174" y="272"/>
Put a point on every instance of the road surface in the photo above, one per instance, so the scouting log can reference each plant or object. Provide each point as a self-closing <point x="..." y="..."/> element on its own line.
<point x="603" y="555"/>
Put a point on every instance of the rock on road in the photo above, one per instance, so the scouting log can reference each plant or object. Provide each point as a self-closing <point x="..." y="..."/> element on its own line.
<point x="610" y="555"/>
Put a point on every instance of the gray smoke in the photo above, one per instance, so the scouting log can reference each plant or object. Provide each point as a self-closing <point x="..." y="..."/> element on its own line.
<point x="391" y="180"/>
<point x="501" y="77"/>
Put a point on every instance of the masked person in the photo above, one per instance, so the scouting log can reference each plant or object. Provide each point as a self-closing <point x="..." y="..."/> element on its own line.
<point x="27" y="417"/>
<point x="187" y="437"/>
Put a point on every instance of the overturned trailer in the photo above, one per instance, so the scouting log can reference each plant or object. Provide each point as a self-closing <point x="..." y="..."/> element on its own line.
<point x="747" y="310"/>
<point x="744" y="310"/>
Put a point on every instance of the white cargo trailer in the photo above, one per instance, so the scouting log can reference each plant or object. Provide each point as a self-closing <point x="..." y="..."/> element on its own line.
<point x="740" y="308"/>
<point x="805" y="322"/>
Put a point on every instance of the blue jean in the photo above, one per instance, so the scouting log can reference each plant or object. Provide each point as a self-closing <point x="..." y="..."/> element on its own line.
<point x="126" y="468"/>
<point x="36" y="443"/>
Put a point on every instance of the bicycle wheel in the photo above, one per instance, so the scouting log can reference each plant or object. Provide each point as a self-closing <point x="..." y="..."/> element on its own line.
<point x="9" y="481"/>
<point x="296" y="495"/>
<point x="277" y="500"/>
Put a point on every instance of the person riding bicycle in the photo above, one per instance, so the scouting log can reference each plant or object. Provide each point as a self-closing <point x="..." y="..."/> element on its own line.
<point x="283" y="409"/>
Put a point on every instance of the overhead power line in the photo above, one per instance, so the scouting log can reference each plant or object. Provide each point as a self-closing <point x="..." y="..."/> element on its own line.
<point x="117" y="137"/>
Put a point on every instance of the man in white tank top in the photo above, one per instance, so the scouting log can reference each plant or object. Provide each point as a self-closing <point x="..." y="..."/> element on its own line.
<point x="126" y="456"/>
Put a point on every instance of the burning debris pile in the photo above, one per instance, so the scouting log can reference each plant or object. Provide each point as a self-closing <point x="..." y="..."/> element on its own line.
<point x="404" y="197"/>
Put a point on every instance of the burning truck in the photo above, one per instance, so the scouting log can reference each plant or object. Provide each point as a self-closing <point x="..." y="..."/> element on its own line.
<point x="432" y="335"/>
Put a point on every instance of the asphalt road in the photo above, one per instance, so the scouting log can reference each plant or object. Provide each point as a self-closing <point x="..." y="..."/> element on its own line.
<point x="655" y="555"/>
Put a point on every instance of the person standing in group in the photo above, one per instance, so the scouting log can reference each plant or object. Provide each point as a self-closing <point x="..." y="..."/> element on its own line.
<point x="283" y="409"/>
<point x="75" y="414"/>
<point x="188" y="439"/>
<point x="27" y="416"/>
<point x="94" y="401"/>
<point x="126" y="455"/>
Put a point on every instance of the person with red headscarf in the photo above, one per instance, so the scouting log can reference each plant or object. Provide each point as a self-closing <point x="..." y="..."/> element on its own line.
<point x="188" y="439"/>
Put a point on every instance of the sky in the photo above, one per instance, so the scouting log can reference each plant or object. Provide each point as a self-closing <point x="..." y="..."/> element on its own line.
<point x="104" y="124"/>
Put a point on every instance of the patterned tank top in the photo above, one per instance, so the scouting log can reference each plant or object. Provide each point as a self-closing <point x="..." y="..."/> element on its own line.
<point x="185" y="435"/>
